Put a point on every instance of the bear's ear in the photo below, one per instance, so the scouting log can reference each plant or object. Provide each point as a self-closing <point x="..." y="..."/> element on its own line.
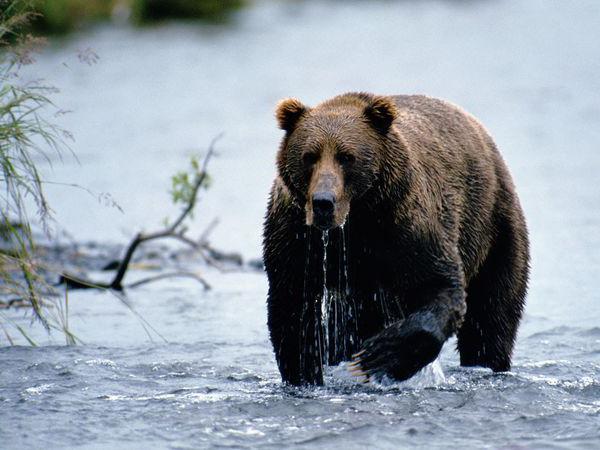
<point x="288" y="112"/>
<point x="381" y="113"/>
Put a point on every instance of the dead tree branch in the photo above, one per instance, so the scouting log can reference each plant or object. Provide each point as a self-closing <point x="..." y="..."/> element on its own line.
<point x="176" y="230"/>
<point x="163" y="276"/>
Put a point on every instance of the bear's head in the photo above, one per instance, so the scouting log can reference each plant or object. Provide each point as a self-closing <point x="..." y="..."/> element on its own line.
<point x="331" y="154"/>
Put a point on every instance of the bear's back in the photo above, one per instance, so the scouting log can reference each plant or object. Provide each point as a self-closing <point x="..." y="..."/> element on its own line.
<point x="461" y="163"/>
<point x="441" y="125"/>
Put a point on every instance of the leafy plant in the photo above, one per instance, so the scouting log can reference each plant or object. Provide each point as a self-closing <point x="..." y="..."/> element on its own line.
<point x="185" y="184"/>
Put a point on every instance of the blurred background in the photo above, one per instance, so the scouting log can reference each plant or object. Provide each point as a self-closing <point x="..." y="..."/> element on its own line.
<point x="161" y="90"/>
<point x="149" y="83"/>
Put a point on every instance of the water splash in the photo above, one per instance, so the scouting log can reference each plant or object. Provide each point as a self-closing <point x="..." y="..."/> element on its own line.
<point x="430" y="376"/>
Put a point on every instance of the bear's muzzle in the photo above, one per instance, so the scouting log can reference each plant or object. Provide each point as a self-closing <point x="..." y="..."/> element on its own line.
<point x="323" y="205"/>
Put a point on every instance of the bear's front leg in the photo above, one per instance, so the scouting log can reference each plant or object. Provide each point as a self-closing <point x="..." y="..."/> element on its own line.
<point x="405" y="347"/>
<point x="292" y="304"/>
<point x="295" y="334"/>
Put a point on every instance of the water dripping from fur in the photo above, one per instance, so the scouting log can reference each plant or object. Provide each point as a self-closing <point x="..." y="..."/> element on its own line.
<point x="325" y="300"/>
<point x="330" y="310"/>
<point x="311" y="342"/>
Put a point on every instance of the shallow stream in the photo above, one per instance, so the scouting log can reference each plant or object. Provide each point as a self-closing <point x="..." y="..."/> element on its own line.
<point x="528" y="69"/>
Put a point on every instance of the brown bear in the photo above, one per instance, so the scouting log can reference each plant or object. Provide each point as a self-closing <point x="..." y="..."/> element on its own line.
<point x="392" y="224"/>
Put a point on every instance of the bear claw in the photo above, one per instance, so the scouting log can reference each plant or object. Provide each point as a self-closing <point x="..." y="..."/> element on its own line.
<point x="356" y="370"/>
<point x="358" y="354"/>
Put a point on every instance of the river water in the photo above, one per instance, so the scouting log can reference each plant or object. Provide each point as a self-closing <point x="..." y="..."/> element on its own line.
<point x="528" y="69"/>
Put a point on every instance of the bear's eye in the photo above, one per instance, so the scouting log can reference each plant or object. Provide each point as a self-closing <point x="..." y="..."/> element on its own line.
<point x="345" y="158"/>
<point x="310" y="158"/>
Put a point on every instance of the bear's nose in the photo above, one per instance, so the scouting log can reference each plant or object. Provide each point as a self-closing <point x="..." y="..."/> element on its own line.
<point x="323" y="204"/>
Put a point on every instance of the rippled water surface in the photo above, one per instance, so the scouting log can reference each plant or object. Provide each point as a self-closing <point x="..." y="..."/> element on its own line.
<point x="528" y="69"/>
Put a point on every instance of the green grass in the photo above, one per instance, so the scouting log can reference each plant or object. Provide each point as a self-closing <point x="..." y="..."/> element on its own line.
<point x="26" y="137"/>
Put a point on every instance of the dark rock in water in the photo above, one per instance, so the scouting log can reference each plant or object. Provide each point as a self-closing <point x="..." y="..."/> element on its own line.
<point x="256" y="264"/>
<point x="155" y="254"/>
<point x="233" y="258"/>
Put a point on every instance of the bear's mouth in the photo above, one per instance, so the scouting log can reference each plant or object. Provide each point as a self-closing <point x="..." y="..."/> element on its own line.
<point x="323" y="224"/>
<point x="325" y="213"/>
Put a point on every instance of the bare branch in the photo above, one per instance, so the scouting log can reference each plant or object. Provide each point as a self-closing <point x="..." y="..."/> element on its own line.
<point x="172" y="275"/>
<point x="209" y="229"/>
<point x="176" y="230"/>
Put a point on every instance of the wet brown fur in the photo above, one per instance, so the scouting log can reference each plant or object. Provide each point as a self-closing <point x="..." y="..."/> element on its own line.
<point x="436" y="238"/>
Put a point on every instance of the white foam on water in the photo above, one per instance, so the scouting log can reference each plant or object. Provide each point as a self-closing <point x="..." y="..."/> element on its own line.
<point x="431" y="375"/>
<point x="37" y="390"/>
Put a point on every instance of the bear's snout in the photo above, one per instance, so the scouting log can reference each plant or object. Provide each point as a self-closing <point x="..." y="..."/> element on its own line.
<point x="323" y="204"/>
